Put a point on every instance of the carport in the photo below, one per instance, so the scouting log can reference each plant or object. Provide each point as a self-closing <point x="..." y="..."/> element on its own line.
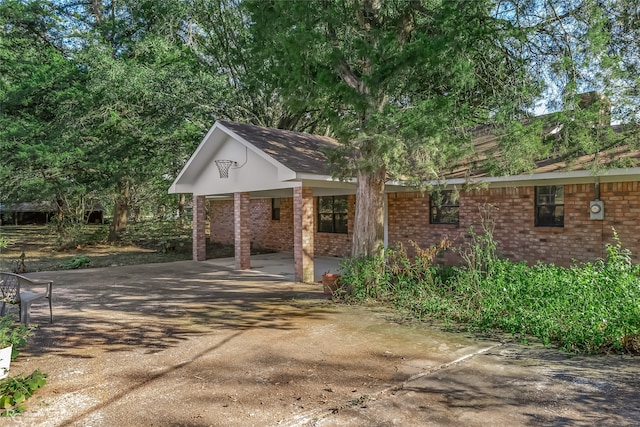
<point x="240" y="162"/>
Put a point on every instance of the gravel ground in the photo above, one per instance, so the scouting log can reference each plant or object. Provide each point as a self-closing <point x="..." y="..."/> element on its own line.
<point x="191" y="344"/>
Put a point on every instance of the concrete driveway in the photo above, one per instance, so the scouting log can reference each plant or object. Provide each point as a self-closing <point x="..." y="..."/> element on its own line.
<point x="195" y="344"/>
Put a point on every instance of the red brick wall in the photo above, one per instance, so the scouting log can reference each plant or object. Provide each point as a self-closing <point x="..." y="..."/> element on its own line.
<point x="303" y="233"/>
<point x="512" y="210"/>
<point x="242" y="222"/>
<point x="199" y="226"/>
<point x="408" y="220"/>
<point x="580" y="239"/>
<point x="268" y="233"/>
<point x="265" y="232"/>
<point x="277" y="235"/>
<point x="221" y="221"/>
<point x="518" y="238"/>
<point x="622" y="212"/>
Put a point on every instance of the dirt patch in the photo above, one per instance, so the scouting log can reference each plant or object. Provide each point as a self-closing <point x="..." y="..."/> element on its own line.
<point x="141" y="245"/>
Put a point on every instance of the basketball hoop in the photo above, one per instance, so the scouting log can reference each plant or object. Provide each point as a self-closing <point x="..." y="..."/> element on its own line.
<point x="223" y="167"/>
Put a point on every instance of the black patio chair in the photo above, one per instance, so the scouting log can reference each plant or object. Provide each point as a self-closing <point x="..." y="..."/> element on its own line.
<point x="18" y="290"/>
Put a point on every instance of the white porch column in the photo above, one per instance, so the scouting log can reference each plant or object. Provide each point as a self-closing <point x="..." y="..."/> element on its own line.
<point x="303" y="228"/>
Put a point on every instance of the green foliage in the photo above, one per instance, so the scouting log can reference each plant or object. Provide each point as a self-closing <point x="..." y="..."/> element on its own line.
<point x="13" y="333"/>
<point x="394" y="278"/>
<point x="122" y="100"/>
<point x="585" y="308"/>
<point x="73" y="234"/>
<point x="15" y="391"/>
<point x="77" y="262"/>
<point x="398" y="80"/>
<point x="363" y="278"/>
<point x="481" y="255"/>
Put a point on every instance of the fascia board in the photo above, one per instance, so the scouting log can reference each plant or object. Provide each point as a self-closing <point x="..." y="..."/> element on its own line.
<point x="581" y="176"/>
<point x="304" y="176"/>
<point x="175" y="185"/>
<point x="180" y="188"/>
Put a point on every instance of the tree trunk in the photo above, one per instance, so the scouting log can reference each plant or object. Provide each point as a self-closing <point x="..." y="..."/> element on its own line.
<point x="120" y="213"/>
<point x="182" y="202"/>
<point x="60" y="211"/>
<point x="368" y="233"/>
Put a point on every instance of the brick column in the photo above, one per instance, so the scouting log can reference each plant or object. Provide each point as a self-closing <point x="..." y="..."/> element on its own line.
<point x="199" y="221"/>
<point x="303" y="228"/>
<point x="242" y="230"/>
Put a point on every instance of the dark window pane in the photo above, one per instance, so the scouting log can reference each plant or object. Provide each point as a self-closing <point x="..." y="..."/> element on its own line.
<point x="325" y="204"/>
<point x="340" y="204"/>
<point x="341" y="223"/>
<point x="326" y="218"/>
<point x="449" y="199"/>
<point x="325" y="226"/>
<point x="550" y="206"/>
<point x="332" y="214"/>
<point x="450" y="215"/>
<point x="558" y="216"/>
<point x="444" y="208"/>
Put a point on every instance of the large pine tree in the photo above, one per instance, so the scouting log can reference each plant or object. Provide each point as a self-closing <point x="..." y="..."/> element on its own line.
<point x="402" y="80"/>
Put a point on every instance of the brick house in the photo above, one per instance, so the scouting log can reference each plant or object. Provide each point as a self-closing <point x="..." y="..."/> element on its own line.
<point x="278" y="194"/>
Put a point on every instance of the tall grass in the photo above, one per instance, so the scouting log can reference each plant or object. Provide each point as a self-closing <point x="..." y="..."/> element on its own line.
<point x="586" y="308"/>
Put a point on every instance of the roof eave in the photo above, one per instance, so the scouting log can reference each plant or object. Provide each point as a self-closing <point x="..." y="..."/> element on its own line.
<point x="581" y="176"/>
<point x="282" y="169"/>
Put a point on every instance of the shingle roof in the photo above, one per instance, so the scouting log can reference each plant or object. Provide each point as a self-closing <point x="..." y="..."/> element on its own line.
<point x="486" y="147"/>
<point x="305" y="153"/>
<point x="300" y="152"/>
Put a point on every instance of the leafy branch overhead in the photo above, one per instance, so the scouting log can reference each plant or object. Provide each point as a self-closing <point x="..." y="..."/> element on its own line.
<point x="107" y="100"/>
<point x="404" y="83"/>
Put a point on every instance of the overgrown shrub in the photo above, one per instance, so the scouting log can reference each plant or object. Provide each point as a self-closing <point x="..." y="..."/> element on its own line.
<point x="396" y="277"/>
<point x="588" y="308"/>
<point x="73" y="234"/>
<point x="363" y="279"/>
<point x="76" y="262"/>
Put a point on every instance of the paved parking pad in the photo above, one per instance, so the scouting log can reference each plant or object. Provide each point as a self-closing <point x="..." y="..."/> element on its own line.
<point x="195" y="344"/>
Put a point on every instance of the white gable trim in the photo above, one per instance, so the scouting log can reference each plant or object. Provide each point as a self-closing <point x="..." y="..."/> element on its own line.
<point x="201" y="163"/>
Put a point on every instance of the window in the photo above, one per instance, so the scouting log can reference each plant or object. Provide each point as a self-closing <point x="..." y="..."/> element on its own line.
<point x="550" y="206"/>
<point x="332" y="214"/>
<point x="275" y="209"/>
<point x="444" y="207"/>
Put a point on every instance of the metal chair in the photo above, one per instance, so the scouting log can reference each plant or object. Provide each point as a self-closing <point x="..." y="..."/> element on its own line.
<point x="16" y="289"/>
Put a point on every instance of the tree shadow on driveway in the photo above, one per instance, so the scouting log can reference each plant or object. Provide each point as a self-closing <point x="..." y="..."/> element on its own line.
<point x="157" y="306"/>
